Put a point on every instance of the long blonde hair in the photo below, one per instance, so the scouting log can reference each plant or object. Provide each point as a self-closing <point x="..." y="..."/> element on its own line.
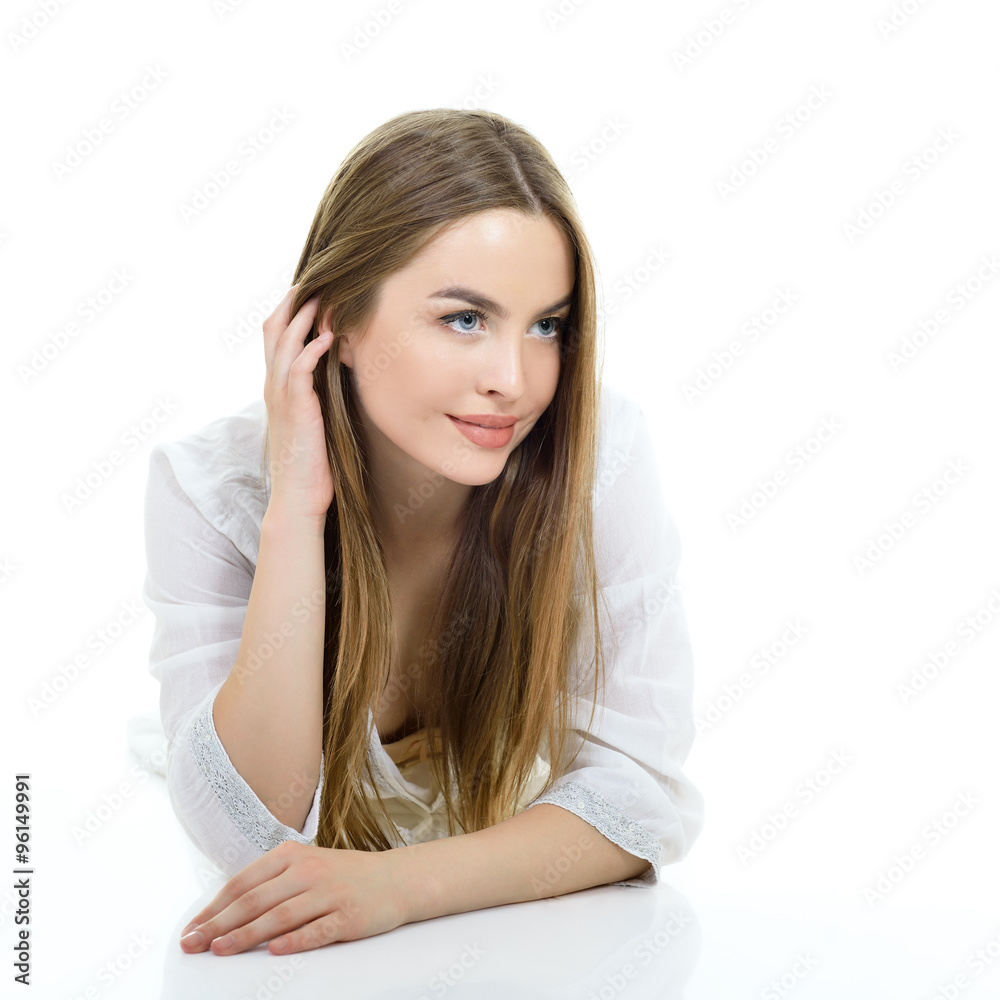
<point x="522" y="578"/>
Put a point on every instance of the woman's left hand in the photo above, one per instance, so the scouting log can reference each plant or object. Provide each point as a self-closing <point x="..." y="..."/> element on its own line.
<point x="299" y="897"/>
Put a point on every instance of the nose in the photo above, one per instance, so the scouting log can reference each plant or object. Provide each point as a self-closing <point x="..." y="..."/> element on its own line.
<point x="501" y="364"/>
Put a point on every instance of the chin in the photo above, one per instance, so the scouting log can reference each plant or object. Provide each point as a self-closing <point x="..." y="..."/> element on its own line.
<point x="483" y="472"/>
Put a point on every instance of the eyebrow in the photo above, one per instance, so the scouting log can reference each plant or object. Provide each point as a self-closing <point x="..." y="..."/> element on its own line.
<point x="473" y="297"/>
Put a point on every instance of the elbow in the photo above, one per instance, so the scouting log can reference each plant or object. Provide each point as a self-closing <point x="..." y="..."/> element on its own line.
<point x="292" y="806"/>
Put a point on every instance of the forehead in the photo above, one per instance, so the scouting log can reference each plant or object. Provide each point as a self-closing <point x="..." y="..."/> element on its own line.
<point x="495" y="227"/>
<point x="499" y="245"/>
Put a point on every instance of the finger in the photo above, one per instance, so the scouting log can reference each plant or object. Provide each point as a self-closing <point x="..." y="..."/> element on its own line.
<point x="300" y="371"/>
<point x="292" y="339"/>
<point x="233" y="921"/>
<point x="262" y="870"/>
<point x="275" y="323"/>
<point x="325" y="929"/>
<point x="287" y="915"/>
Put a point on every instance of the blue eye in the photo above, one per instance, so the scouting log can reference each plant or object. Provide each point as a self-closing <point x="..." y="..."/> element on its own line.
<point x="557" y="325"/>
<point x="560" y="326"/>
<point x="454" y="317"/>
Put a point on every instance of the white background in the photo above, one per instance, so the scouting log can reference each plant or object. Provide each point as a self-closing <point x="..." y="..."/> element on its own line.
<point x="648" y="145"/>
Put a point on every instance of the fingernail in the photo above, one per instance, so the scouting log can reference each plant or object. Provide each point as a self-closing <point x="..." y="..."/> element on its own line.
<point x="192" y="940"/>
<point x="193" y="923"/>
<point x="224" y="942"/>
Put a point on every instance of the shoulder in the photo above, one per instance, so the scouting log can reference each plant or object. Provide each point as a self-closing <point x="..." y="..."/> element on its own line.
<point x="635" y="533"/>
<point x="219" y="468"/>
<point x="622" y="431"/>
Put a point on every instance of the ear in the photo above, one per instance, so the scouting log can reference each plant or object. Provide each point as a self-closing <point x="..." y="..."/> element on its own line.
<point x="346" y="355"/>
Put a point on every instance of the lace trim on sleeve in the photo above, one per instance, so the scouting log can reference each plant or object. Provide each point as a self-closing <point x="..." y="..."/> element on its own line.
<point x="610" y="821"/>
<point x="250" y="816"/>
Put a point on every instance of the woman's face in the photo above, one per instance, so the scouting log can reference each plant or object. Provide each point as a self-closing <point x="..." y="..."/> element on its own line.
<point x="426" y="357"/>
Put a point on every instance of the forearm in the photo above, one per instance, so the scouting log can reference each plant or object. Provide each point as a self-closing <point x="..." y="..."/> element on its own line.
<point x="543" y="851"/>
<point x="268" y="713"/>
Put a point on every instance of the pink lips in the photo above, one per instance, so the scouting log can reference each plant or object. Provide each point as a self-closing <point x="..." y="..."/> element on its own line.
<point x="486" y="437"/>
<point x="486" y="419"/>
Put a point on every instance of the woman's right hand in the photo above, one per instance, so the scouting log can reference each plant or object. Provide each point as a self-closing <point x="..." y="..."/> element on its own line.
<point x="301" y="481"/>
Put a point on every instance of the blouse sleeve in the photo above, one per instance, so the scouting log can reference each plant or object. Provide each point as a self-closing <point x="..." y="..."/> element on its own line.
<point x="627" y="780"/>
<point x="198" y="586"/>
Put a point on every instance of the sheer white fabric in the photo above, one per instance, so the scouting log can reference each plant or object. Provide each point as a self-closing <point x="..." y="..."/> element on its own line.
<point x="205" y="499"/>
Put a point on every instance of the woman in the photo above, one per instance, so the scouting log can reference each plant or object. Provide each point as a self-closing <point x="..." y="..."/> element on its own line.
<point x="378" y="602"/>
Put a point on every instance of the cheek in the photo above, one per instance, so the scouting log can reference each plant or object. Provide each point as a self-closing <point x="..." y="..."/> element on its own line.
<point x="543" y="374"/>
<point x="409" y="385"/>
<point x="391" y="363"/>
<point x="418" y="372"/>
<point x="427" y="366"/>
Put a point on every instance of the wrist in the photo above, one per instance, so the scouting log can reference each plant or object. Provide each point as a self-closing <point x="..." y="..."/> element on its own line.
<point x="416" y="885"/>
<point x="279" y="520"/>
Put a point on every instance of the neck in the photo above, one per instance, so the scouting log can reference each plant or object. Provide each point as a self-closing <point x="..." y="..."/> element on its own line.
<point x="414" y="520"/>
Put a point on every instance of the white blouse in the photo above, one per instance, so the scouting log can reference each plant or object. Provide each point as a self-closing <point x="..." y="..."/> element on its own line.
<point x="203" y="507"/>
